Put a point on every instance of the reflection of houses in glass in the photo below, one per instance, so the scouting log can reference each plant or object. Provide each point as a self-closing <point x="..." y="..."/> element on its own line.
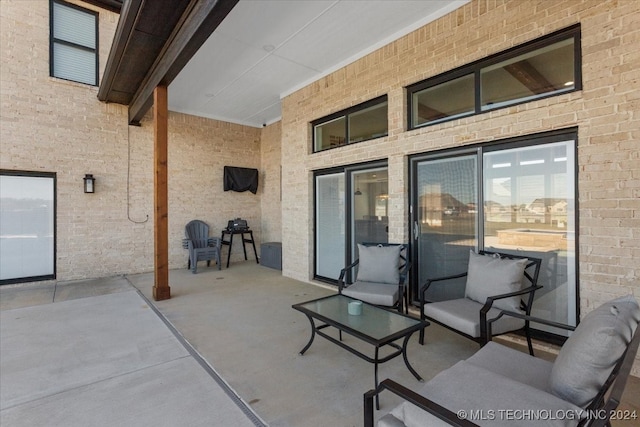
<point x="436" y="207"/>
<point x="496" y="212"/>
<point x="553" y="211"/>
<point x="546" y="210"/>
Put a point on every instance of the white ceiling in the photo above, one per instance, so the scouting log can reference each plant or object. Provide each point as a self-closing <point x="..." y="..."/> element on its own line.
<point x="267" y="49"/>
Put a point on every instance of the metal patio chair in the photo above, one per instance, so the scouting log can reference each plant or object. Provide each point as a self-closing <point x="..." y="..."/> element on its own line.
<point x="495" y="281"/>
<point x="378" y="276"/>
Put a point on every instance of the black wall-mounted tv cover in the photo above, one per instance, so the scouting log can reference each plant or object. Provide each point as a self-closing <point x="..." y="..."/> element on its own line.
<point x="240" y="179"/>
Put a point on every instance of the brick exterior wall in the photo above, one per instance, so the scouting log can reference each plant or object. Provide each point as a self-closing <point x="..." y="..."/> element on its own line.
<point x="605" y="112"/>
<point x="53" y="125"/>
<point x="48" y="124"/>
<point x="271" y="203"/>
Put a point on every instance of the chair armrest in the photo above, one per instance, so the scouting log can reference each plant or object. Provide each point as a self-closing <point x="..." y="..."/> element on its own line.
<point x="428" y="283"/>
<point x="527" y="318"/>
<point x="485" y="326"/>
<point x="423" y="288"/>
<point x="343" y="272"/>
<point x="491" y="299"/>
<point x="214" y="242"/>
<point x="404" y="273"/>
<point x="420" y="401"/>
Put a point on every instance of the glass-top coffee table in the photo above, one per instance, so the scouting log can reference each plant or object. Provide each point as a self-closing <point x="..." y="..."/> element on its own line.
<point x="376" y="326"/>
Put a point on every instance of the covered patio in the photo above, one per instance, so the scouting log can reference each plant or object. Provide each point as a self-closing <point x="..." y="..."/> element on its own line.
<point x="240" y="321"/>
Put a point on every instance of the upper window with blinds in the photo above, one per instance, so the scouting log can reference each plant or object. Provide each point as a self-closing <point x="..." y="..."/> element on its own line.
<point x="74" y="43"/>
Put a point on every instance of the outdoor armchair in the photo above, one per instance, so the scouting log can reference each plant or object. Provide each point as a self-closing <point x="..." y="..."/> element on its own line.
<point x="501" y="386"/>
<point x="378" y="276"/>
<point x="494" y="281"/>
<point x="201" y="247"/>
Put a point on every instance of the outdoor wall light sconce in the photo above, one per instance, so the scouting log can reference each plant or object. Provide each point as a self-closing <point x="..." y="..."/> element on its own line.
<point x="89" y="183"/>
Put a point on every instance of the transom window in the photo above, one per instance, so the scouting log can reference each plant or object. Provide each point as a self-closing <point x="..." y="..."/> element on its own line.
<point x="356" y="124"/>
<point x="545" y="67"/>
<point x="74" y="43"/>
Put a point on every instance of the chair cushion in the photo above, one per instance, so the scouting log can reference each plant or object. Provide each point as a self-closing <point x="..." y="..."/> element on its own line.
<point x="484" y="393"/>
<point x="587" y="358"/>
<point x="379" y="264"/>
<point x="513" y="364"/>
<point x="464" y="315"/>
<point x="373" y="293"/>
<point x="489" y="275"/>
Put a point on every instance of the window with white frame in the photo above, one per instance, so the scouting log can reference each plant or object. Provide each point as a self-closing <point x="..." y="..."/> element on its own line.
<point x="73" y="50"/>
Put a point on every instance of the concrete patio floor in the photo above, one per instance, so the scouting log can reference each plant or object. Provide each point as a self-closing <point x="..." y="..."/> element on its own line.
<point x="241" y="322"/>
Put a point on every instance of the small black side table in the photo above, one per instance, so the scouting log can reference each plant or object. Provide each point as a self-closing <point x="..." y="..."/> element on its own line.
<point x="229" y="243"/>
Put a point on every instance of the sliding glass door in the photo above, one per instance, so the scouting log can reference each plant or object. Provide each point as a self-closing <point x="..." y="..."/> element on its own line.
<point x="517" y="197"/>
<point x="445" y="223"/>
<point x="369" y="207"/>
<point x="330" y="225"/>
<point x="27" y="226"/>
<point x="529" y="199"/>
<point x="351" y="207"/>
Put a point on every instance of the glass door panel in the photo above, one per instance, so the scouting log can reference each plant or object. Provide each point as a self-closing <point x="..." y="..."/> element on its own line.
<point x="445" y="210"/>
<point x="530" y="210"/>
<point x="369" y="201"/>
<point x="351" y="207"/>
<point x="27" y="228"/>
<point x="330" y="225"/>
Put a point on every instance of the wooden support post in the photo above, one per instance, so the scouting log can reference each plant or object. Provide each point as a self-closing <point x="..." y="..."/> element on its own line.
<point x="161" y="290"/>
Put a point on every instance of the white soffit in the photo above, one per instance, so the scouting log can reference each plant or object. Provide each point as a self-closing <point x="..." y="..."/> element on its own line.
<point x="267" y="49"/>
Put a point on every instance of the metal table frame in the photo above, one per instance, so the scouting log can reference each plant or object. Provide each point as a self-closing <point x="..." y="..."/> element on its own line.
<point x="377" y="343"/>
<point x="244" y="240"/>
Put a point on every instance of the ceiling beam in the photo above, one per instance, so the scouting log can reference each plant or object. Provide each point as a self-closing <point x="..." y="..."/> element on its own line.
<point x="128" y="19"/>
<point x="197" y="23"/>
<point x="530" y="77"/>
<point x="430" y="114"/>
<point x="110" y="5"/>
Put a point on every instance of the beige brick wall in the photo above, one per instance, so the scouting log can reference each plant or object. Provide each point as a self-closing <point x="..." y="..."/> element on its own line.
<point x="271" y="204"/>
<point x="605" y="111"/>
<point x="52" y="125"/>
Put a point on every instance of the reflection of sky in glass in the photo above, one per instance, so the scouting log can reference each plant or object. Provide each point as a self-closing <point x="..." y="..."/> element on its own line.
<point x="521" y="175"/>
<point x="513" y="176"/>
<point x="25" y="187"/>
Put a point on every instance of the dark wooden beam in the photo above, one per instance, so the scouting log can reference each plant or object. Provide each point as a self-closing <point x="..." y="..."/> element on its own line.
<point x="161" y="289"/>
<point x="199" y="20"/>
<point x="429" y="114"/>
<point x="128" y="18"/>
<point x="530" y="77"/>
<point x="111" y="5"/>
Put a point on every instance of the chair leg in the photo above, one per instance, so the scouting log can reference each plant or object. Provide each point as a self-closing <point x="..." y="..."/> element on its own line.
<point x="406" y="303"/>
<point x="194" y="265"/>
<point x="528" y="334"/>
